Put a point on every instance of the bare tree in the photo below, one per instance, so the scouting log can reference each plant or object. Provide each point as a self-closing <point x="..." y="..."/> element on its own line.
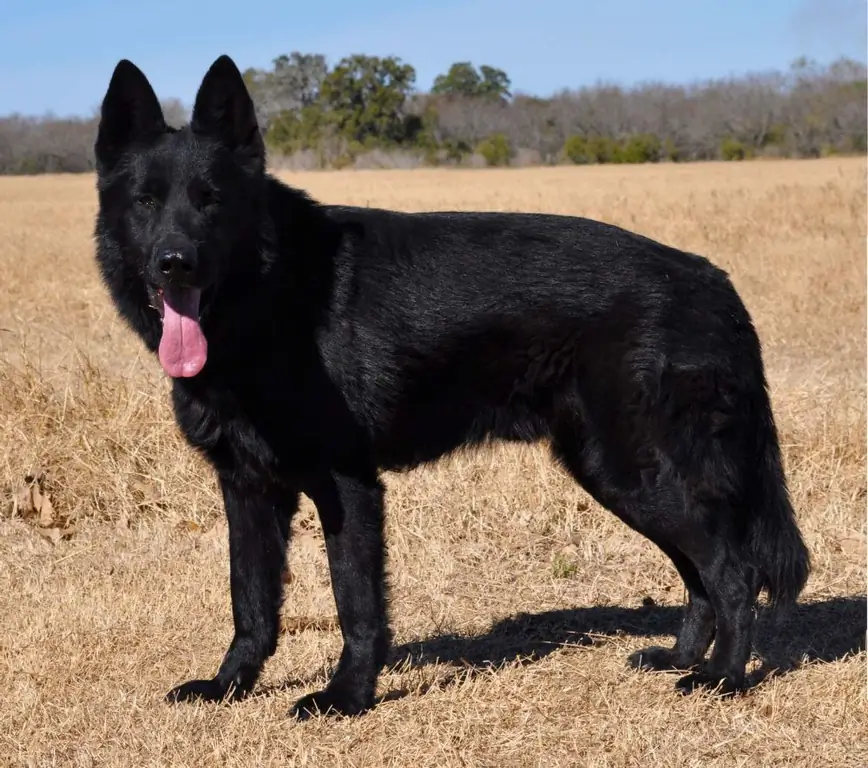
<point x="293" y="83"/>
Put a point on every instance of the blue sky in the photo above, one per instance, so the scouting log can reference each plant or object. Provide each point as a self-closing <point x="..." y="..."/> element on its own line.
<point x="57" y="55"/>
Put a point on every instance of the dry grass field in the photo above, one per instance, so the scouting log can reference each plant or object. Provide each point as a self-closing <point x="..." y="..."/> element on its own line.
<point x="516" y="600"/>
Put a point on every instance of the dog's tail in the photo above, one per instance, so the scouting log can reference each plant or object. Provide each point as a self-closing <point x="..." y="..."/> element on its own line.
<point x="774" y="541"/>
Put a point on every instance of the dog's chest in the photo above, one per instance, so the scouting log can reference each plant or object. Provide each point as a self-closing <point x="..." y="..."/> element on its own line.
<point x="252" y="437"/>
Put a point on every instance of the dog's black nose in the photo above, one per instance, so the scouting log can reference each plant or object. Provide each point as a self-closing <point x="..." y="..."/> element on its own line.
<point x="177" y="265"/>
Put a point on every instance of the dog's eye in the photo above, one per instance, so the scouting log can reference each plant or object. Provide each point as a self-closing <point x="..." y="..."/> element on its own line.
<point x="147" y="201"/>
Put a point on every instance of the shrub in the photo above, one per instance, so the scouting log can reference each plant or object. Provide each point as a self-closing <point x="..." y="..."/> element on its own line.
<point x="456" y="150"/>
<point x="291" y="132"/>
<point x="858" y="142"/>
<point x="776" y="136"/>
<point x="733" y="149"/>
<point x="495" y="149"/>
<point x="576" y="150"/>
<point x="670" y="151"/>
<point x="642" y="148"/>
<point x="603" y="149"/>
<point x="352" y="150"/>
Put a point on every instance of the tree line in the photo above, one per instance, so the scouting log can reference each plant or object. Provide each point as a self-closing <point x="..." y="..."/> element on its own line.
<point x="365" y="111"/>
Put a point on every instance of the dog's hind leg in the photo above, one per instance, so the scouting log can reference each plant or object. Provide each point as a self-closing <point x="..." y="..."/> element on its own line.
<point x="733" y="586"/>
<point x="722" y="590"/>
<point x="698" y="625"/>
<point x="691" y="462"/>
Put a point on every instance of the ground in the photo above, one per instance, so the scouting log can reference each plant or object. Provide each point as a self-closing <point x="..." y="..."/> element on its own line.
<point x="516" y="600"/>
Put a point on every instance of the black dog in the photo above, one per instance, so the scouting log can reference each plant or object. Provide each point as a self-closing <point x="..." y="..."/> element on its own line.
<point x="313" y="346"/>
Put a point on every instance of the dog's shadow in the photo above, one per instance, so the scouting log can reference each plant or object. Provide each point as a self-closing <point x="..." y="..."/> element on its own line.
<point x="826" y="630"/>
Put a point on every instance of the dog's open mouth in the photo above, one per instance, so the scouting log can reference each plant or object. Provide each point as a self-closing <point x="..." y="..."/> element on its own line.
<point x="183" y="347"/>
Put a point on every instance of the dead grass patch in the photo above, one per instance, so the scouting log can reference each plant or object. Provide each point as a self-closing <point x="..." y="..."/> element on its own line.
<point x="516" y="599"/>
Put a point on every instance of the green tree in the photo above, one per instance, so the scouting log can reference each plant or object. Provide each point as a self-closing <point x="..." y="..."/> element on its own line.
<point x="495" y="83"/>
<point x="364" y="98"/>
<point x="463" y="79"/>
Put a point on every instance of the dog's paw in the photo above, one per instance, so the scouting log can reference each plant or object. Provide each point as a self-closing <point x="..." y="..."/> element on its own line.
<point x="198" y="690"/>
<point x="328" y="702"/>
<point x="658" y="659"/>
<point x="654" y="659"/>
<point x="704" y="680"/>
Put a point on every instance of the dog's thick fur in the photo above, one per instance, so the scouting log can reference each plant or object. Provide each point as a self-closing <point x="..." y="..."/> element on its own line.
<point x="345" y="341"/>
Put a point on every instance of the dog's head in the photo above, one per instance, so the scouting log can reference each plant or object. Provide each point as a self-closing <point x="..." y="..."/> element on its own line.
<point x="176" y="205"/>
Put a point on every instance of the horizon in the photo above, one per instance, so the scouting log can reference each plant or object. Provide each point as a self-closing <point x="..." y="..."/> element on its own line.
<point x="566" y="45"/>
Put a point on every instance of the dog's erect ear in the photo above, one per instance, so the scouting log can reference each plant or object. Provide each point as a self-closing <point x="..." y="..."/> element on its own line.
<point x="224" y="110"/>
<point x="130" y="113"/>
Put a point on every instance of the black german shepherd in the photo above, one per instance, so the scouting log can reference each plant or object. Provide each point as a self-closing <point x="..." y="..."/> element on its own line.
<point x="313" y="346"/>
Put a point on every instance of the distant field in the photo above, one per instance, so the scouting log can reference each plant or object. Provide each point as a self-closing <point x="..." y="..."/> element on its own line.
<point x="516" y="600"/>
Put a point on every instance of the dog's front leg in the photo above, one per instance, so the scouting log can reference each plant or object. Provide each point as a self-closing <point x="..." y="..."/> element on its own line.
<point x="351" y="512"/>
<point x="258" y="532"/>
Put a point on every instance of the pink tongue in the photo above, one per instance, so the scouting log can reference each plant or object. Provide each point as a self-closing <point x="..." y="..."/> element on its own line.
<point x="183" y="348"/>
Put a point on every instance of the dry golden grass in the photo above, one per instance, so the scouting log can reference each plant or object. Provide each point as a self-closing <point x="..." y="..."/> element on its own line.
<point x="515" y="598"/>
